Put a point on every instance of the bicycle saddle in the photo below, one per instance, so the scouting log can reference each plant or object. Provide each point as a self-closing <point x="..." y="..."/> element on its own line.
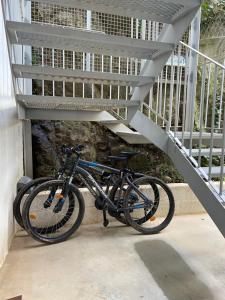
<point x="129" y="154"/>
<point x="117" y="158"/>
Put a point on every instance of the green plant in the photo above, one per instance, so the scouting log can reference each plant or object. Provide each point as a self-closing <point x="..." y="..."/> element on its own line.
<point x="211" y="11"/>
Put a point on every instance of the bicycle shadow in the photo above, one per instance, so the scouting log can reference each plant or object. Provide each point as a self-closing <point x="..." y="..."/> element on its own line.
<point x="172" y="274"/>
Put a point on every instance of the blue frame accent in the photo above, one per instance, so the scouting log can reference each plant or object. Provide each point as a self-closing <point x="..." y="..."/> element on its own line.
<point x="89" y="164"/>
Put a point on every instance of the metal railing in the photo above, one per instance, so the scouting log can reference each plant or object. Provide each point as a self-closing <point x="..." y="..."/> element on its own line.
<point x="194" y="119"/>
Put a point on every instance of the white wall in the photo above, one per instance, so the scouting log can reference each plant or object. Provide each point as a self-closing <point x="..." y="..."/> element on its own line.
<point x="11" y="147"/>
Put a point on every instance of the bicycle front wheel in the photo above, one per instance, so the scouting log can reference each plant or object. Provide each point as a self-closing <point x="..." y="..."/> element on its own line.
<point x="21" y="196"/>
<point x="144" y="212"/>
<point x="48" y="216"/>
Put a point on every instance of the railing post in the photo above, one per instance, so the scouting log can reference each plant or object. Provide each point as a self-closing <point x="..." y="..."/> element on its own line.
<point x="27" y="89"/>
<point x="193" y="67"/>
<point x="88" y="25"/>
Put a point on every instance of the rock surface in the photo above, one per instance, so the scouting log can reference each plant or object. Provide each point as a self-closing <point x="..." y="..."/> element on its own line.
<point x="49" y="136"/>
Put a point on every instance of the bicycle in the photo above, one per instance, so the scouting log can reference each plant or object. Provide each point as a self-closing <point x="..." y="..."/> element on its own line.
<point x="27" y="188"/>
<point x="109" y="177"/>
<point x="67" y="197"/>
<point x="112" y="177"/>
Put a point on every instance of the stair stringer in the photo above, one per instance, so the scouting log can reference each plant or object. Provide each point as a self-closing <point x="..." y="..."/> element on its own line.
<point x="171" y="33"/>
<point x="150" y="130"/>
<point x="207" y="195"/>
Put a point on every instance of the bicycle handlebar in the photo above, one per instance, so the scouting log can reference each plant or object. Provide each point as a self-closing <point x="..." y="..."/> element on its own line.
<point x="70" y="150"/>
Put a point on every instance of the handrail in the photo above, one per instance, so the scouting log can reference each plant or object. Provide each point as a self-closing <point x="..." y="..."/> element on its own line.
<point x="172" y="101"/>
<point x="203" y="55"/>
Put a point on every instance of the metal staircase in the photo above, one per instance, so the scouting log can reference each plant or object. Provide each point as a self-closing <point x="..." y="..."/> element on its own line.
<point x="123" y="65"/>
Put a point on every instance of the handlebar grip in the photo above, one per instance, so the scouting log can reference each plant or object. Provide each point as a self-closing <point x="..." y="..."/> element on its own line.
<point x="69" y="150"/>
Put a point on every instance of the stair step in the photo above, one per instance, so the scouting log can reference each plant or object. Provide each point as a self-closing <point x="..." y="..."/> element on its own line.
<point x="133" y="137"/>
<point x="155" y="10"/>
<point x="51" y="36"/>
<point x="196" y="135"/>
<point x="59" y="74"/>
<point x="206" y="152"/>
<point x="113" y="121"/>
<point x="215" y="171"/>
<point x="69" y="103"/>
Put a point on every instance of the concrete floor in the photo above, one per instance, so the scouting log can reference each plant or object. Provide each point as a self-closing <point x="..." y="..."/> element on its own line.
<point x="186" y="261"/>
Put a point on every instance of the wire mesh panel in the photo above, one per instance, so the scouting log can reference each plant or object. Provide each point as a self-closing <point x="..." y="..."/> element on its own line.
<point x="58" y="15"/>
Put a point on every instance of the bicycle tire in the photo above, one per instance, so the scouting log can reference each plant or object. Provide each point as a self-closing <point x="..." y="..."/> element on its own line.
<point x="17" y="209"/>
<point x="168" y="217"/>
<point x="34" y="232"/>
<point x="120" y="216"/>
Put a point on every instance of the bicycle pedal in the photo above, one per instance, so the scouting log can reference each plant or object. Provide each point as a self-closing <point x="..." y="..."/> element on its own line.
<point x="47" y="204"/>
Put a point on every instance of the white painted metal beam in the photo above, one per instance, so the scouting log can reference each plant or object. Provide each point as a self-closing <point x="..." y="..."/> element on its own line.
<point x="151" y="131"/>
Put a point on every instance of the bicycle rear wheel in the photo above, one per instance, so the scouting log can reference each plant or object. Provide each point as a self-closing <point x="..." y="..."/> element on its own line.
<point x="117" y="196"/>
<point x="145" y="213"/>
<point x="59" y="219"/>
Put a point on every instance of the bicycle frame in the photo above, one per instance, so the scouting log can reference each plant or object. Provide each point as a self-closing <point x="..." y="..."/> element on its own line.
<point x="90" y="182"/>
<point x="96" y="166"/>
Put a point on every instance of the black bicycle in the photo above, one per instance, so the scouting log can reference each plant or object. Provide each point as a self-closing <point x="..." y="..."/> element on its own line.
<point x="106" y="176"/>
<point x="55" y="209"/>
<point x="31" y="185"/>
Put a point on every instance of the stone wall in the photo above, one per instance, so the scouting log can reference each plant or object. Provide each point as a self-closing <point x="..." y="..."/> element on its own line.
<point x="48" y="136"/>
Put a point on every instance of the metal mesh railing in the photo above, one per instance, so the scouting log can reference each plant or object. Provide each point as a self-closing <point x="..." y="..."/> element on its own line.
<point x="194" y="115"/>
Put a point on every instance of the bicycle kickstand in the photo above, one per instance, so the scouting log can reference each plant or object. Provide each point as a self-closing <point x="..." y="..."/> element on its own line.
<point x="105" y="220"/>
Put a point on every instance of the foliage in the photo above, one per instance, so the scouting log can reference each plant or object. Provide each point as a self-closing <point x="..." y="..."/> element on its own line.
<point x="212" y="11"/>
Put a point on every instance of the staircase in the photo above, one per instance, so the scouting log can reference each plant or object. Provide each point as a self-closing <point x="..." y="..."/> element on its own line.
<point x="121" y="63"/>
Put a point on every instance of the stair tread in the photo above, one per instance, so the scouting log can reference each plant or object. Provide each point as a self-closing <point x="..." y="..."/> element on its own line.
<point x="206" y="151"/>
<point x="133" y="137"/>
<point x="113" y="121"/>
<point x="196" y="135"/>
<point x="51" y="36"/>
<point x="69" y="103"/>
<point x="156" y="10"/>
<point x="50" y="73"/>
<point x="215" y="171"/>
<point x="135" y="133"/>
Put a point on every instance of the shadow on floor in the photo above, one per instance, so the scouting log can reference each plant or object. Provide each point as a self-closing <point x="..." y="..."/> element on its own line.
<point x="172" y="274"/>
